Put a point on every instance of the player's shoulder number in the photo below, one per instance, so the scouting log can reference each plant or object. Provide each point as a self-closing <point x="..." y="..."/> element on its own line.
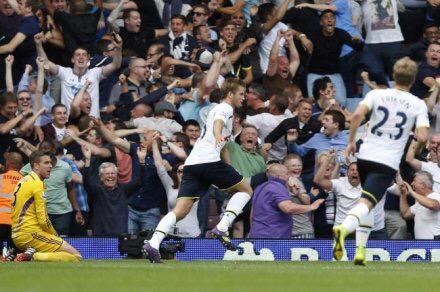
<point x="386" y="115"/>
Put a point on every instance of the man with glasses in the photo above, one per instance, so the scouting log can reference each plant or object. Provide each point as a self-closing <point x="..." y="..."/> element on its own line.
<point x="200" y="15"/>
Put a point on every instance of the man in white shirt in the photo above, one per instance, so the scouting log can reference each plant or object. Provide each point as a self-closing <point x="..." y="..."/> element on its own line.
<point x="426" y="210"/>
<point x="204" y="168"/>
<point x="73" y="79"/>
<point x="429" y="166"/>
<point x="267" y="122"/>
<point x="162" y="120"/>
<point x="393" y="114"/>
<point x="347" y="189"/>
<point x="271" y="17"/>
<point x="383" y="35"/>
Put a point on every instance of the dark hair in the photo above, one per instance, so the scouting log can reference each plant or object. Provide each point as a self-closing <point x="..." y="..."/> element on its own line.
<point x="78" y="6"/>
<point x="103" y="45"/>
<point x="84" y="122"/>
<point x="34" y="4"/>
<point x="8" y="97"/>
<point x="306" y="100"/>
<point x="190" y="123"/>
<point x="429" y="25"/>
<point x="35" y="157"/>
<point x="280" y="102"/>
<point x="57" y="105"/>
<point x="179" y="16"/>
<point x="240" y="113"/>
<point x="201" y="5"/>
<point x="183" y="138"/>
<point x="80" y="48"/>
<point x="53" y="145"/>
<point x="320" y="84"/>
<point x="173" y="175"/>
<point x="324" y="12"/>
<point x="259" y="90"/>
<point x="196" y="29"/>
<point x="216" y="95"/>
<point x="338" y="117"/>
<point x="264" y="10"/>
<point x="225" y="23"/>
<point x="127" y="13"/>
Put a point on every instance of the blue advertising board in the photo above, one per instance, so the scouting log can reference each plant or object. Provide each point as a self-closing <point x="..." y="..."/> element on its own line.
<point x="273" y="250"/>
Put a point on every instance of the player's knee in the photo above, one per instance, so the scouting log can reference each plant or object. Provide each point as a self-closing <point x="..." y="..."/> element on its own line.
<point x="367" y="202"/>
<point x="181" y="210"/>
<point x="245" y="187"/>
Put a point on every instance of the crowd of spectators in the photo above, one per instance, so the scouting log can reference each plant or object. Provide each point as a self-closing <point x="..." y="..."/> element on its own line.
<point x="119" y="92"/>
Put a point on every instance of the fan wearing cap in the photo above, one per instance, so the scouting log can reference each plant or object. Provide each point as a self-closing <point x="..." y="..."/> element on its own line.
<point x="162" y="121"/>
<point x="204" y="59"/>
<point x="327" y="47"/>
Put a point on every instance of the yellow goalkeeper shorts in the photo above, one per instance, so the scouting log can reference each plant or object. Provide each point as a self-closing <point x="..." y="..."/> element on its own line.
<point x="39" y="240"/>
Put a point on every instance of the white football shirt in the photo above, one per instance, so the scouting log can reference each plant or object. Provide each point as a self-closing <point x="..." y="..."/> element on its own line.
<point x="205" y="150"/>
<point x="434" y="170"/>
<point x="393" y="116"/>
<point x="347" y="197"/>
<point x="426" y="222"/>
<point x="72" y="83"/>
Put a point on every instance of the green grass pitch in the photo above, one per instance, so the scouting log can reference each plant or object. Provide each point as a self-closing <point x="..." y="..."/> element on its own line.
<point x="140" y="275"/>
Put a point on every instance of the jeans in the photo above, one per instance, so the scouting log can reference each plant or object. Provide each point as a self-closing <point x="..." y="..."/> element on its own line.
<point x="341" y="93"/>
<point x="77" y="230"/>
<point x="142" y="220"/>
<point x="61" y="223"/>
<point x="381" y="57"/>
<point x="380" y="234"/>
<point x="395" y="225"/>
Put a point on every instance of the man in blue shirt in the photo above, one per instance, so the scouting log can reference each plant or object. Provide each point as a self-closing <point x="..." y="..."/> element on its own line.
<point x="144" y="204"/>
<point x="332" y="136"/>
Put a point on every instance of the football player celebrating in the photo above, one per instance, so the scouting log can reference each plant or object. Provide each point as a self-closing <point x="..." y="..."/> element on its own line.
<point x="204" y="168"/>
<point x="394" y="113"/>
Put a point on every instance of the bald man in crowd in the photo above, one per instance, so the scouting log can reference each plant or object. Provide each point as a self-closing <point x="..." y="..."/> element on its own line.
<point x="272" y="206"/>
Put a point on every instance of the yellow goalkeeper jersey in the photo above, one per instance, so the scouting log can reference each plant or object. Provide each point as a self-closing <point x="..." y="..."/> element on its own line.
<point x="29" y="213"/>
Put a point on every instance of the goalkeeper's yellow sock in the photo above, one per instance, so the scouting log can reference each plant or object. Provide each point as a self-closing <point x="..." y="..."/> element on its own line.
<point x="60" y="256"/>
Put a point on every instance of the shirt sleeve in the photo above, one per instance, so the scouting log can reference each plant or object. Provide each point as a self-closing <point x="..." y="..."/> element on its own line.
<point x="133" y="149"/>
<point x="97" y="73"/>
<point x="41" y="211"/>
<point x="25" y="169"/>
<point x="368" y="100"/>
<point x="63" y="73"/>
<point x="340" y="7"/>
<point x="69" y="173"/>
<point x="422" y="119"/>
<point x="223" y="113"/>
<point x="28" y="27"/>
<point x="253" y="120"/>
<point x="280" y="196"/>
<point x="336" y="186"/>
